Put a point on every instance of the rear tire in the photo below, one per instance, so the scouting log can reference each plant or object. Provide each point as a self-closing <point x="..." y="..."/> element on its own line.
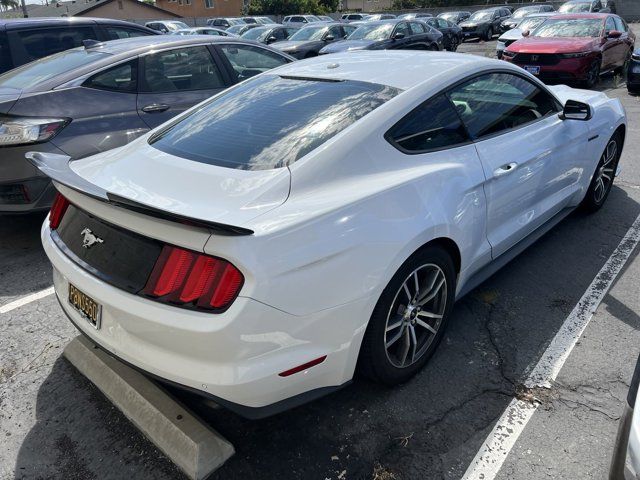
<point x="603" y="177"/>
<point x="410" y="317"/>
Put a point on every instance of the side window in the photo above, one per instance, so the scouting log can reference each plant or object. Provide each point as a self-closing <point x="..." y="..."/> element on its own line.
<point x="115" y="33"/>
<point x="41" y="42"/>
<point x="336" y="32"/>
<point x="248" y="60"/>
<point x="416" y="28"/>
<point x="189" y="68"/>
<point x="620" y="25"/>
<point x="610" y="25"/>
<point x="433" y="125"/>
<point x="121" y="78"/>
<point x="402" y="28"/>
<point x="348" y="30"/>
<point x="290" y="31"/>
<point x="495" y="102"/>
<point x="432" y="22"/>
<point x="5" y="55"/>
<point x="443" y="23"/>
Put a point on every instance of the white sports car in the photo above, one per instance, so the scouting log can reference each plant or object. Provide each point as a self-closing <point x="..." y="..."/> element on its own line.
<point x="319" y="219"/>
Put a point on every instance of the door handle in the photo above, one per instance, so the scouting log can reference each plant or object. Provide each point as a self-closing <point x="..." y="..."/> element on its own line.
<point x="504" y="169"/>
<point x="155" y="108"/>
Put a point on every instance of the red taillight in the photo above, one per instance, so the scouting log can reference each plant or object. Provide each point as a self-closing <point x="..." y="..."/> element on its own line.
<point x="193" y="280"/>
<point x="59" y="207"/>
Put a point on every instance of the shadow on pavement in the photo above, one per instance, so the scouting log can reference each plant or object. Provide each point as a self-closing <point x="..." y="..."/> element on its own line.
<point x="25" y="265"/>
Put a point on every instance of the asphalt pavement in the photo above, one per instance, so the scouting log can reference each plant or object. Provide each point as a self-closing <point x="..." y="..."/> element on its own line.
<point x="55" y="424"/>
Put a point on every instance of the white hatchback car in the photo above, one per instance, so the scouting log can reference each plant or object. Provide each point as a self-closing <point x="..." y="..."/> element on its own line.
<point x="319" y="218"/>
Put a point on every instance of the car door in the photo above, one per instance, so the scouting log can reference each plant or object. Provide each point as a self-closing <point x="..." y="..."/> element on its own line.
<point x="612" y="48"/>
<point x="174" y="80"/>
<point x="103" y="109"/>
<point x="404" y="42"/>
<point x="531" y="158"/>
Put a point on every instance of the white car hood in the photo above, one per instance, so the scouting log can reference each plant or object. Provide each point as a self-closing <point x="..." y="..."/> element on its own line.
<point x="183" y="187"/>
<point x="513" y="34"/>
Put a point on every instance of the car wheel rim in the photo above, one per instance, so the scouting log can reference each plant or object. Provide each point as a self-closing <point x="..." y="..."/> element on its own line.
<point x="593" y="73"/>
<point x="415" y="316"/>
<point x="605" y="173"/>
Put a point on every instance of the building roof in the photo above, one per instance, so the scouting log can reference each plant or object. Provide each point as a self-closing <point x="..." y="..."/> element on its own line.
<point x="75" y="8"/>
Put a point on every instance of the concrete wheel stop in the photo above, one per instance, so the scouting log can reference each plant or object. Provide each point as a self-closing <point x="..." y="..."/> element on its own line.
<point x="191" y="444"/>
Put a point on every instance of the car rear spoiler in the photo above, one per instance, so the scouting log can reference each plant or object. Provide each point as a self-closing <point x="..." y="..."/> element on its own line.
<point x="57" y="168"/>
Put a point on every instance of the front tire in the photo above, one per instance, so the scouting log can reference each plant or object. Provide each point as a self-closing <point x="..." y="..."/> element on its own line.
<point x="410" y="318"/>
<point x="489" y="35"/>
<point x="593" y="75"/>
<point x="604" y="175"/>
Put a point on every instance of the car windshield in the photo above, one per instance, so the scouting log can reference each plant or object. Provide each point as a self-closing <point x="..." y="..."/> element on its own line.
<point x="521" y="12"/>
<point x="308" y="33"/>
<point x="256" y="33"/>
<point x="270" y="121"/>
<point x="41" y="70"/>
<point x="177" y="25"/>
<point x="575" y="7"/>
<point x="380" y="31"/>
<point x="481" y="16"/>
<point x="577" y="27"/>
<point x="452" y="17"/>
<point x="531" y="23"/>
<point x="236" y="29"/>
<point x="235" y="21"/>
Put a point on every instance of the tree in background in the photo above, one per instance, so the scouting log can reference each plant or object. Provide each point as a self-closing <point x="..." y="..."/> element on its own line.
<point x="6" y="5"/>
<point x="291" y="7"/>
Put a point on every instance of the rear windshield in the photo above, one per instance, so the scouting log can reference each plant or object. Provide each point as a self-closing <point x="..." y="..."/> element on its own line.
<point x="33" y="73"/>
<point x="270" y="121"/>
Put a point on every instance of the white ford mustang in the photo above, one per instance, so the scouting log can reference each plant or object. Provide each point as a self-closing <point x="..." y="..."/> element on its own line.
<point x="319" y="219"/>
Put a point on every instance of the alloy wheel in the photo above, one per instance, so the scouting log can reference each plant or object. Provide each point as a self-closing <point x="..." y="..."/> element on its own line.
<point x="415" y="315"/>
<point x="605" y="173"/>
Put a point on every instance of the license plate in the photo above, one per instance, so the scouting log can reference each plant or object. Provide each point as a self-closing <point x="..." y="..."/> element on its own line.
<point x="87" y="306"/>
<point x="534" y="70"/>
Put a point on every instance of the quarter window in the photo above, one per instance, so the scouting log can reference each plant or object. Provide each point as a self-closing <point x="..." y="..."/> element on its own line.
<point x="492" y="103"/>
<point x="182" y="69"/>
<point x="121" y="78"/>
<point x="432" y="126"/>
<point x="247" y="60"/>
<point x="416" y="28"/>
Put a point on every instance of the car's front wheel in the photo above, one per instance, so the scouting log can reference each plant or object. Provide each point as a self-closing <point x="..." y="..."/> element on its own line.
<point x="410" y="317"/>
<point x="604" y="175"/>
<point x="489" y="34"/>
<point x="593" y="74"/>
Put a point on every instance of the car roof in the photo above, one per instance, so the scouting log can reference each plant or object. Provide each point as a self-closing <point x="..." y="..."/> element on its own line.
<point x="578" y="16"/>
<point x="10" y="23"/>
<point x="401" y="69"/>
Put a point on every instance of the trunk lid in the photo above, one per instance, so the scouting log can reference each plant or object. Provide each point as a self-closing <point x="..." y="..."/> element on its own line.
<point x="184" y="188"/>
<point x="8" y="98"/>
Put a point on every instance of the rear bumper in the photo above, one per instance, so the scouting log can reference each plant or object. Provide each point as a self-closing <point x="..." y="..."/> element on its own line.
<point x="233" y="358"/>
<point x="23" y="188"/>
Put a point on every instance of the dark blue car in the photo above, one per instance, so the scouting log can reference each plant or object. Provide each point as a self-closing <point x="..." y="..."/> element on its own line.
<point x="389" y="35"/>
<point x="633" y="73"/>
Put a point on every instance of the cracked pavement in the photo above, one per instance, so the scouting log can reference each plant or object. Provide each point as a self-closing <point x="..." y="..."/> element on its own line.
<point x="55" y="424"/>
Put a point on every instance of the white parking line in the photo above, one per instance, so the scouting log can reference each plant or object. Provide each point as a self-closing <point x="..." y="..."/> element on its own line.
<point x="25" y="300"/>
<point x="498" y="444"/>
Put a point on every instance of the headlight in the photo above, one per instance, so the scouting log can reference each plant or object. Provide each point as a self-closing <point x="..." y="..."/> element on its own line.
<point x="574" y="55"/>
<point x="635" y="56"/>
<point x="27" y="130"/>
<point x="509" y="54"/>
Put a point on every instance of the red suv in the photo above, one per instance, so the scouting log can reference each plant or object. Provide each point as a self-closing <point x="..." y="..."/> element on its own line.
<point x="570" y="48"/>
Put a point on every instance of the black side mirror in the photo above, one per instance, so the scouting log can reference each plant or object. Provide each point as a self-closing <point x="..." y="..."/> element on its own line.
<point x="574" y="110"/>
<point x="271" y="39"/>
<point x="398" y="35"/>
<point x="329" y="38"/>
